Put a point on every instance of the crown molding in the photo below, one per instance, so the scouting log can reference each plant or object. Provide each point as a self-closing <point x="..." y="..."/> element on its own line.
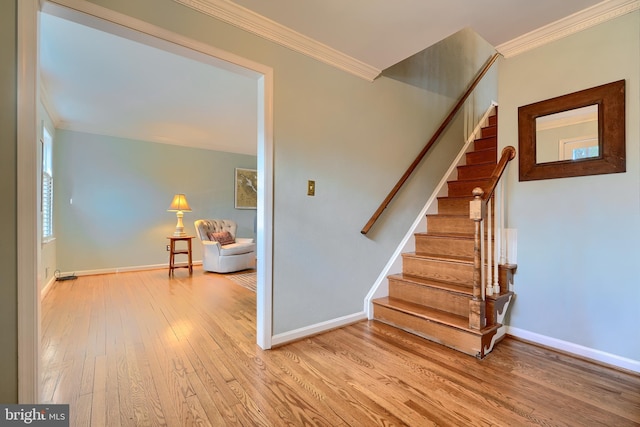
<point x="594" y="15"/>
<point x="252" y="22"/>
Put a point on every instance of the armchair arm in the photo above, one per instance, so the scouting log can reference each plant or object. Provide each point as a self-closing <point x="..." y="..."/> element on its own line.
<point x="244" y="240"/>
<point x="212" y="247"/>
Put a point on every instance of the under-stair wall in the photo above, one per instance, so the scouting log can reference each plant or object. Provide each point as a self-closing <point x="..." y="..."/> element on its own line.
<point x="408" y="243"/>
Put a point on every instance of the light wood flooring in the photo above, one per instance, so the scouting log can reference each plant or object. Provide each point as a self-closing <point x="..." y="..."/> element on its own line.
<point x="143" y="349"/>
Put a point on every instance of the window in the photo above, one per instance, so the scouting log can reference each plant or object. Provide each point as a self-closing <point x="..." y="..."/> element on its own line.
<point x="47" y="185"/>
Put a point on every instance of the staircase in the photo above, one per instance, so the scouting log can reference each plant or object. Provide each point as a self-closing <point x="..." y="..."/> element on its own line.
<point x="431" y="297"/>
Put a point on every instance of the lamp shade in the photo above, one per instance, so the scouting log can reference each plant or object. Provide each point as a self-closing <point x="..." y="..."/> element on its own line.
<point x="179" y="203"/>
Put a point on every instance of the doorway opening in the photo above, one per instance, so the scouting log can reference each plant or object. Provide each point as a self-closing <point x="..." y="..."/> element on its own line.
<point x="104" y="19"/>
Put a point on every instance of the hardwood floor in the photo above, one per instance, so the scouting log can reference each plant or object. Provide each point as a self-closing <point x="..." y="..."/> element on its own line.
<point x="143" y="349"/>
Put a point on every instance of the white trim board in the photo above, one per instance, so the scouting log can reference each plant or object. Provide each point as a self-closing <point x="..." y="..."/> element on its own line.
<point x="594" y="15"/>
<point x="27" y="251"/>
<point x="47" y="287"/>
<point x="261" y="26"/>
<point x="576" y="349"/>
<point x="114" y="270"/>
<point x="318" y="328"/>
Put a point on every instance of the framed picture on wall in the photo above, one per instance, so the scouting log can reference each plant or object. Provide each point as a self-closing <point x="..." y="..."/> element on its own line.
<point x="246" y="190"/>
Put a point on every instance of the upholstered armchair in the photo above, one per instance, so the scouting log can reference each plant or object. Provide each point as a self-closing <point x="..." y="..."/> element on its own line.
<point x="222" y="251"/>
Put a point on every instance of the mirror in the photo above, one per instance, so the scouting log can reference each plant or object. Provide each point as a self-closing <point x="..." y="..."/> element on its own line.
<point x="582" y="133"/>
<point x="569" y="135"/>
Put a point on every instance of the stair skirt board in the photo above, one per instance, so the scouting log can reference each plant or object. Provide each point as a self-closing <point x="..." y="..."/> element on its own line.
<point x="473" y="343"/>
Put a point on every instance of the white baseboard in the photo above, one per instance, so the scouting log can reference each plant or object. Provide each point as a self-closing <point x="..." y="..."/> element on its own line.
<point x="308" y="331"/>
<point x="120" y="269"/>
<point x="46" y="287"/>
<point x="578" y="350"/>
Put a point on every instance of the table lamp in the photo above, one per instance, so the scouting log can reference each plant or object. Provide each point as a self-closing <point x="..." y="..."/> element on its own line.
<point x="179" y="205"/>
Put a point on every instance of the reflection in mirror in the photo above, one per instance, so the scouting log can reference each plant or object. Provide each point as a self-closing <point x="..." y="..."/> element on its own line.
<point x="568" y="135"/>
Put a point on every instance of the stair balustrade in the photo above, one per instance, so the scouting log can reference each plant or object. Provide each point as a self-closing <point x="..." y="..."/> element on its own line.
<point x="487" y="255"/>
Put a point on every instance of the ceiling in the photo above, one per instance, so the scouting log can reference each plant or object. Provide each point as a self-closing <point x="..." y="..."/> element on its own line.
<point x="98" y="82"/>
<point x="382" y="33"/>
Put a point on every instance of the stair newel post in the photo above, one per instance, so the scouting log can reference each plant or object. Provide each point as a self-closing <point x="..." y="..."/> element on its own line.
<point x="477" y="315"/>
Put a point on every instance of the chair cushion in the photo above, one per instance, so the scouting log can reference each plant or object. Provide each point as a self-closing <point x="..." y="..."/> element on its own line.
<point x="223" y="237"/>
<point x="206" y="226"/>
<point x="237" y="249"/>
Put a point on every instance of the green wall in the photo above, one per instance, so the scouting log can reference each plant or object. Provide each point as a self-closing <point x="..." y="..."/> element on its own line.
<point x="112" y="195"/>
<point x="8" y="213"/>
<point x="355" y="139"/>
<point x="577" y="280"/>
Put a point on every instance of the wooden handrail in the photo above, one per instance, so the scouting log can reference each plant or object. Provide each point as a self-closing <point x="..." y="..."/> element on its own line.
<point x="426" y="148"/>
<point x="508" y="154"/>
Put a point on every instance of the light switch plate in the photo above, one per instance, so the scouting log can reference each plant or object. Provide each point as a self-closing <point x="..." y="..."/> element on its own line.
<point x="311" y="188"/>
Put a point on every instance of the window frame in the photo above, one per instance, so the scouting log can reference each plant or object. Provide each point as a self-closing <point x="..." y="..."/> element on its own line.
<point x="47" y="184"/>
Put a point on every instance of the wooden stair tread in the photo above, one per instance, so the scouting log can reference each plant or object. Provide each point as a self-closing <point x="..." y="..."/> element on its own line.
<point x="432" y="315"/>
<point x="432" y="283"/>
<point x="460" y="216"/>
<point x="484" y="149"/>
<point x="441" y="258"/>
<point x="469" y="197"/>
<point x="503" y="293"/>
<point x="476" y="165"/>
<point x="470" y="179"/>
<point x="486" y="162"/>
<point x="482" y="138"/>
<point x="444" y="235"/>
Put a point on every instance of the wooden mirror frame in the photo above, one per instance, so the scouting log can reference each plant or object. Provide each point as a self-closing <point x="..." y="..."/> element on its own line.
<point x="610" y="99"/>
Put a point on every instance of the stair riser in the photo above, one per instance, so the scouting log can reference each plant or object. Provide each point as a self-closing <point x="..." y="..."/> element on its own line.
<point x="493" y="120"/>
<point x="489" y="131"/>
<point x="461" y="274"/>
<point x="451" y="206"/>
<point x="444" y="224"/>
<point x="476" y="171"/>
<point x="430" y="297"/>
<point x="484" y="156"/>
<point x="426" y="244"/>
<point x="485" y="143"/>
<point x="457" y="339"/>
<point x="465" y="188"/>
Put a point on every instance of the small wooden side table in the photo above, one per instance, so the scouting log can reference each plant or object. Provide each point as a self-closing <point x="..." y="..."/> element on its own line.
<point x="173" y="252"/>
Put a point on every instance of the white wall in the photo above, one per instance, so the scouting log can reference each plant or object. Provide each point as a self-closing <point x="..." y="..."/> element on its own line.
<point x="577" y="283"/>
